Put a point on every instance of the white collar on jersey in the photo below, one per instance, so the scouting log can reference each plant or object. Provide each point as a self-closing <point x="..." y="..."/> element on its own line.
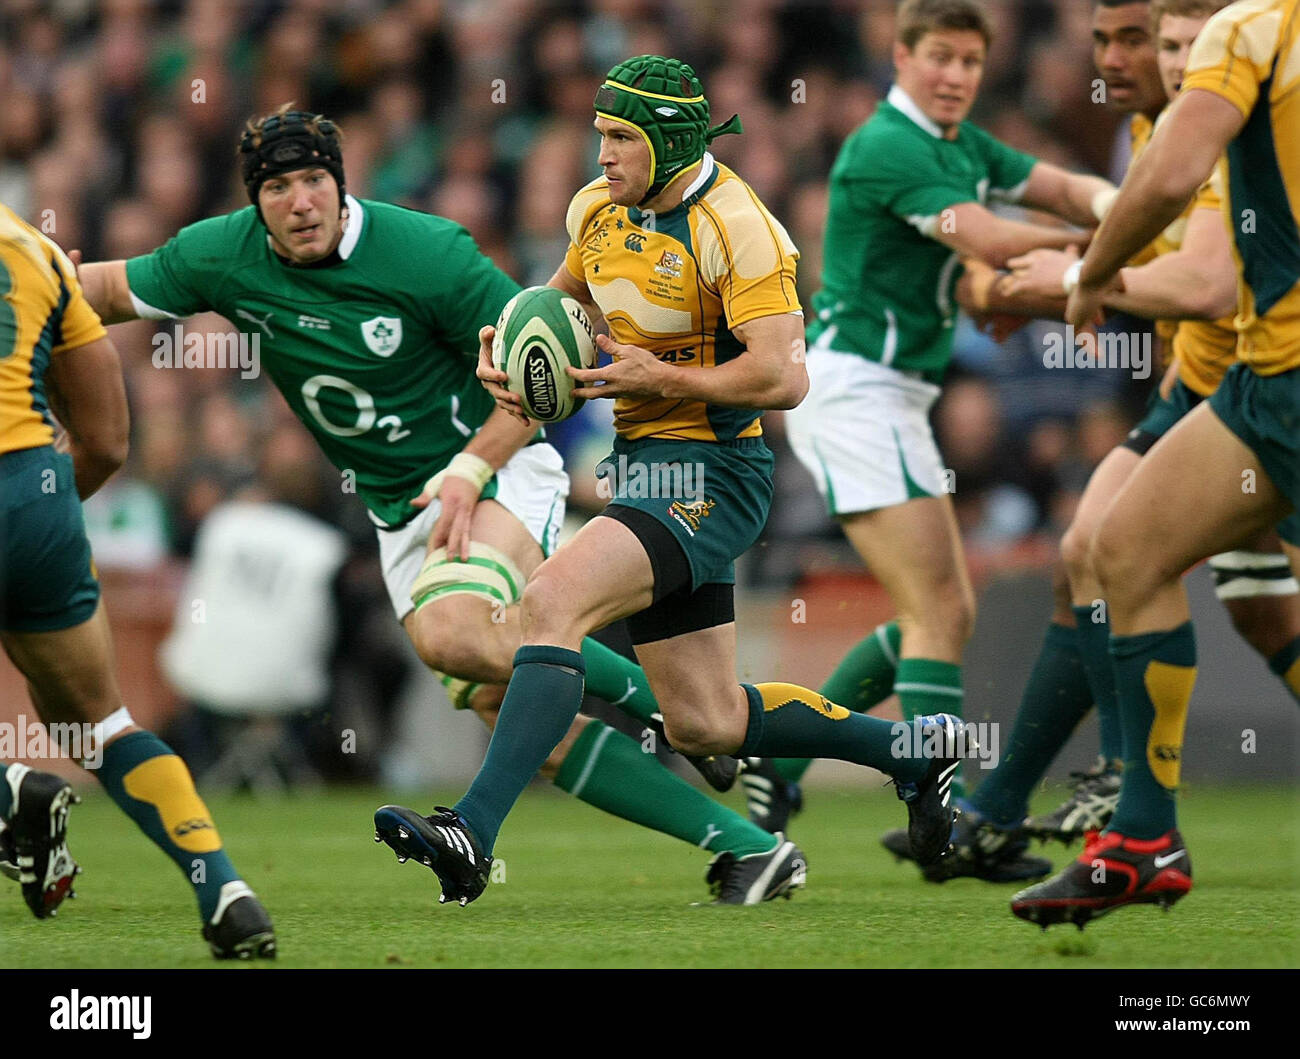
<point x="351" y="230"/>
<point x="900" y="100"/>
<point x="707" y="165"/>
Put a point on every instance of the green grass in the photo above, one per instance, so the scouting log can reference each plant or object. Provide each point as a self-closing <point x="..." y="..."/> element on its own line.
<point x="584" y="890"/>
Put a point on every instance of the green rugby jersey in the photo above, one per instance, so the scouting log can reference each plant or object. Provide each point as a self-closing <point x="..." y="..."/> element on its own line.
<point x="375" y="353"/>
<point x="888" y="287"/>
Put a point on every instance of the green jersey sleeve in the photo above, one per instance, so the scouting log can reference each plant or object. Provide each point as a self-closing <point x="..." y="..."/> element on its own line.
<point x="472" y="293"/>
<point x="178" y="278"/>
<point x="1008" y="169"/>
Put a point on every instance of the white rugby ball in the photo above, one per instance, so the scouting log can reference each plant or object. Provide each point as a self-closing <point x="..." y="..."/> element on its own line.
<point x="541" y="330"/>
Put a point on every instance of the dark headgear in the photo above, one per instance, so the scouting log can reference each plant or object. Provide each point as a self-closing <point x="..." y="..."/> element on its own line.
<point x="287" y="142"/>
<point x="664" y="100"/>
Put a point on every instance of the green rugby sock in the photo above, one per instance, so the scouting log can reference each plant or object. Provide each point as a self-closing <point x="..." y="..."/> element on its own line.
<point x="154" y="788"/>
<point x="607" y="769"/>
<point x="1286" y="664"/>
<point x="864" y="677"/>
<point x="618" y="680"/>
<point x="786" y="719"/>
<point x="1154" y="675"/>
<point x="1094" y="649"/>
<point x="541" y="702"/>
<point x="1055" y="699"/>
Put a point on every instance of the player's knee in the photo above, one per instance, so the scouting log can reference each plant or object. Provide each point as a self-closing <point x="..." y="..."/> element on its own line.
<point x="451" y="643"/>
<point x="1122" y="566"/>
<point x="1076" y="552"/>
<point x="699" y="735"/>
<point x="547" y="603"/>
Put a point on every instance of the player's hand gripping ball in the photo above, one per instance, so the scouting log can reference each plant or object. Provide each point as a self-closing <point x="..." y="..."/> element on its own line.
<point x="541" y="330"/>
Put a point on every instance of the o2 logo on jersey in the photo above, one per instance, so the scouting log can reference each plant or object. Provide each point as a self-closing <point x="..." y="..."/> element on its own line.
<point x="383" y="334"/>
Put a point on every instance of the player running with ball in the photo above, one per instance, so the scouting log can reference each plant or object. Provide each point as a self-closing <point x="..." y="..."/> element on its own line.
<point x="368" y="315"/>
<point x="696" y="283"/>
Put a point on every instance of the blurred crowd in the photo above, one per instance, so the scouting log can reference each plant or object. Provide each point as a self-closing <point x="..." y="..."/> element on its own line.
<point x="121" y="119"/>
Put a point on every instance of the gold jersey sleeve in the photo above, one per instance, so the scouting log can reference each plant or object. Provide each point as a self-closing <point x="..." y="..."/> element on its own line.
<point x="1249" y="55"/>
<point x="678" y="283"/>
<point x="43" y="312"/>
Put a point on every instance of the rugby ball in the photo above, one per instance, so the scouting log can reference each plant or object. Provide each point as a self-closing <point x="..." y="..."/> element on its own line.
<point x="539" y="332"/>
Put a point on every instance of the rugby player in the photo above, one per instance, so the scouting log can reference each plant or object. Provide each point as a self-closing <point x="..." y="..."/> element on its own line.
<point x="1188" y="282"/>
<point x="1230" y="469"/>
<point x="909" y="195"/>
<point x="695" y="280"/>
<point x="55" y="357"/>
<point x="1191" y="288"/>
<point x="367" y="316"/>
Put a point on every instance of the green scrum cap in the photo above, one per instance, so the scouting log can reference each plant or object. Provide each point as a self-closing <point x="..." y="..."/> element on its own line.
<point x="664" y="101"/>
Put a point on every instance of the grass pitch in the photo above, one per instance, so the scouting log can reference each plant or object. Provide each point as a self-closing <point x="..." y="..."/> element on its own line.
<point x="582" y="889"/>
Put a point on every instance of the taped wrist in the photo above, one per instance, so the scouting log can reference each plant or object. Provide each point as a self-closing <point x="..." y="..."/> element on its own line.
<point x="1071" y="278"/>
<point x="473" y="469"/>
<point x="1103" y="201"/>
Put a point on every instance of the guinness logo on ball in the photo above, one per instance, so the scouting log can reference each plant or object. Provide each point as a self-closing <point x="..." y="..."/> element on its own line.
<point x="539" y="382"/>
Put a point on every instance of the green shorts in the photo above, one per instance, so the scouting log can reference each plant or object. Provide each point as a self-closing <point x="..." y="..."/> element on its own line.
<point x="1264" y="411"/>
<point x="713" y="496"/>
<point x="47" y="578"/>
<point x="1161" y="414"/>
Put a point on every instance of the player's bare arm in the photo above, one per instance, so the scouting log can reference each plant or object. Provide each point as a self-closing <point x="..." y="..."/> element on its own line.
<point x="576" y="288"/>
<point x="769" y="374"/>
<point x="988" y="294"/>
<point x="460" y="485"/>
<point x="1180" y="158"/>
<point x="106" y="288"/>
<point x="1074" y="197"/>
<point x="1197" y="282"/>
<point x="87" y="394"/>
<point x="974" y="231"/>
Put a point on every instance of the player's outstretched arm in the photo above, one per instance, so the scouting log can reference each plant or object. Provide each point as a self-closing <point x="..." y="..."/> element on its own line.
<point x="974" y="231"/>
<point x="1074" y="197"/>
<point x="1196" y="282"/>
<point x="986" y="293"/>
<point x="106" y="288"/>
<point x="86" y="392"/>
<point x="1178" y="160"/>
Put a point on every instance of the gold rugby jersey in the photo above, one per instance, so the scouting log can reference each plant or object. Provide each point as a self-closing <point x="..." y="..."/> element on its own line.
<point x="1249" y="54"/>
<point x="678" y="283"/>
<point x="1140" y="130"/>
<point x="42" y="313"/>
<point x="1206" y="349"/>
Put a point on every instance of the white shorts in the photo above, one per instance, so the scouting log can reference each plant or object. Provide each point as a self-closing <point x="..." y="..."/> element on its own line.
<point x="532" y="487"/>
<point x="864" y="433"/>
